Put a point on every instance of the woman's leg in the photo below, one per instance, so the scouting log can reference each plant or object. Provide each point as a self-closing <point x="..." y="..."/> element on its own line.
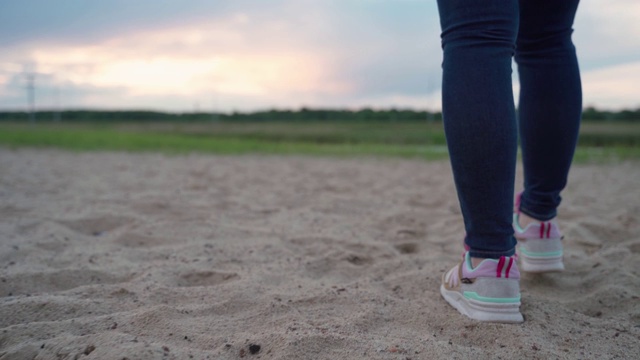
<point x="478" y="40"/>
<point x="550" y="102"/>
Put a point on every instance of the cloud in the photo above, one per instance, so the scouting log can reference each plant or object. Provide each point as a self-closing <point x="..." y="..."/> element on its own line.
<point x="266" y="59"/>
<point x="607" y="32"/>
<point x="38" y="22"/>
<point x="249" y="54"/>
<point x="238" y="56"/>
<point x="615" y="86"/>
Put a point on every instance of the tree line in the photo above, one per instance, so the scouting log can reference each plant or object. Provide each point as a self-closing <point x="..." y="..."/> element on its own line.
<point x="301" y="115"/>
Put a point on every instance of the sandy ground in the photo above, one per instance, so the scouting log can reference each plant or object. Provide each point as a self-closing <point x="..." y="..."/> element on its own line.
<point x="144" y="256"/>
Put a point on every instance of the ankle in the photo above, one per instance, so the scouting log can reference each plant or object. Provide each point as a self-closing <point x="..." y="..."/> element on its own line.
<point x="525" y="220"/>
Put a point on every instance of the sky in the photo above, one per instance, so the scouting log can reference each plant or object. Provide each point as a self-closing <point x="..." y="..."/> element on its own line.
<point x="247" y="55"/>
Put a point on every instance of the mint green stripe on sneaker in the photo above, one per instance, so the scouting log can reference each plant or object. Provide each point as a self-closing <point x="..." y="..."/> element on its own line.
<point x="472" y="295"/>
<point x="540" y="254"/>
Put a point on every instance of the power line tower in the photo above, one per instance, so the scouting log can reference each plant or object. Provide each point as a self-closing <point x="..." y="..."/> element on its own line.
<point x="31" y="75"/>
<point x="31" y="95"/>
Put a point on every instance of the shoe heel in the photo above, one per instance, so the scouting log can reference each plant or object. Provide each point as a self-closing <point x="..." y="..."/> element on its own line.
<point x="492" y="312"/>
<point x="541" y="264"/>
<point x="541" y="255"/>
<point x="488" y="299"/>
<point x="482" y="310"/>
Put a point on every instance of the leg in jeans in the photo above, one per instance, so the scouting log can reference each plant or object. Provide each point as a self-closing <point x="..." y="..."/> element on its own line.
<point x="478" y="40"/>
<point x="550" y="101"/>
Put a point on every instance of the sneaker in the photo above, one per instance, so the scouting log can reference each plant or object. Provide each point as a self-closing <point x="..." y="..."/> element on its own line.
<point x="490" y="292"/>
<point x="539" y="244"/>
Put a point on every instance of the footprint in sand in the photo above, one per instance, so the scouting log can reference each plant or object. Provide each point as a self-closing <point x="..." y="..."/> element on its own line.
<point x="133" y="240"/>
<point x="608" y="301"/>
<point x="635" y="247"/>
<point x="359" y="260"/>
<point x="608" y="233"/>
<point x="402" y="226"/>
<point x="48" y="282"/>
<point x="407" y="248"/>
<point x="96" y="226"/>
<point x="10" y="211"/>
<point x="205" y="278"/>
<point x="312" y="246"/>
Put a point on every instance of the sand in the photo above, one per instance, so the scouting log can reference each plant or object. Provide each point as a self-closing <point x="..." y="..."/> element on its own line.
<point x="146" y="256"/>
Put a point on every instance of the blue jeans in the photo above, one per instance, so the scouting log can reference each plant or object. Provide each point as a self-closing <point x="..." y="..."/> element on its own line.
<point x="479" y="39"/>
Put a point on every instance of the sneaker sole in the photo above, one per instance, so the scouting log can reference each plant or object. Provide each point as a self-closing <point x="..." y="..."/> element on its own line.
<point x="541" y="264"/>
<point x="483" y="311"/>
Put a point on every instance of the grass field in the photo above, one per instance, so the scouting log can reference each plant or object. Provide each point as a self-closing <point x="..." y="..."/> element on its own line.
<point x="598" y="141"/>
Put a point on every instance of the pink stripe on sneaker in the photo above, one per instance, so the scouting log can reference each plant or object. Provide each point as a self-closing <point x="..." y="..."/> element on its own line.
<point x="500" y="266"/>
<point x="541" y="230"/>
<point x="548" y="229"/>
<point x="509" y="267"/>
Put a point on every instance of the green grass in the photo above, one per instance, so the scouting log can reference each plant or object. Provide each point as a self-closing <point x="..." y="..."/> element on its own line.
<point x="109" y="139"/>
<point x="308" y="132"/>
<point x="599" y="142"/>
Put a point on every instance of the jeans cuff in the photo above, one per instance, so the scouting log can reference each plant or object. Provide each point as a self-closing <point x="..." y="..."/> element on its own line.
<point x="538" y="216"/>
<point x="490" y="254"/>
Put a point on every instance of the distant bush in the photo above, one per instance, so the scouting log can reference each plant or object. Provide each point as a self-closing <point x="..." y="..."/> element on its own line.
<point x="302" y="115"/>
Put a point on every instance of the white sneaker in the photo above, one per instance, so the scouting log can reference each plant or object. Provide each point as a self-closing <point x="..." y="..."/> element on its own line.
<point x="490" y="292"/>
<point x="540" y="246"/>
